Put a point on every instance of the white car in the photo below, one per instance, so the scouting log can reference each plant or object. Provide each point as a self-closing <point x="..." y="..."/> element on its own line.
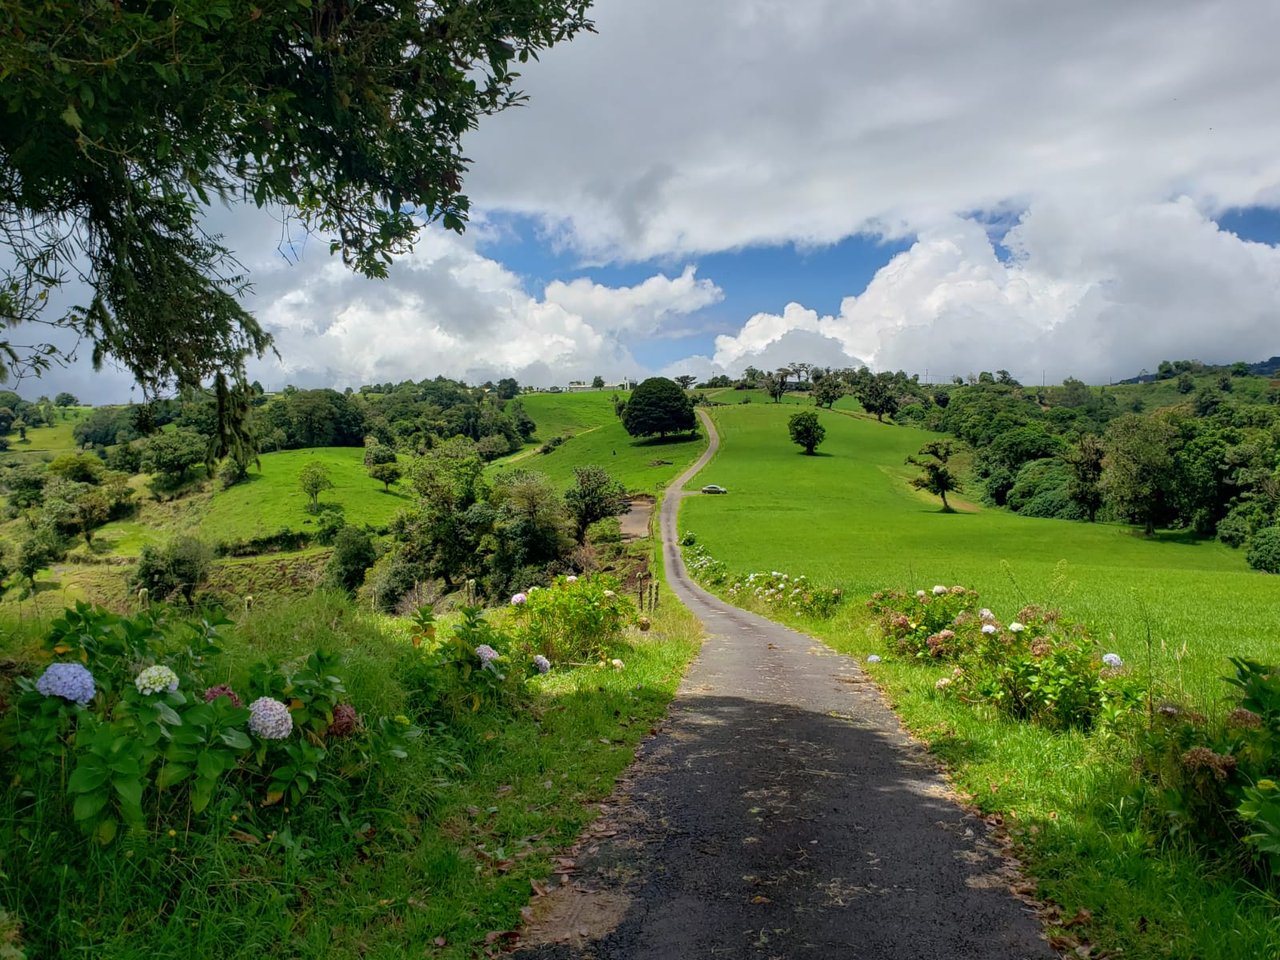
<point x="712" y="488"/>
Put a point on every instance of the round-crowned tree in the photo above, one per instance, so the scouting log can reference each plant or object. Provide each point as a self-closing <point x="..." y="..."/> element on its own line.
<point x="658" y="405"/>
<point x="806" y="431"/>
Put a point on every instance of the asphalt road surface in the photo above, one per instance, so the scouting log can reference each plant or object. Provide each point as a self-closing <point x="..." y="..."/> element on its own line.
<point x="780" y="812"/>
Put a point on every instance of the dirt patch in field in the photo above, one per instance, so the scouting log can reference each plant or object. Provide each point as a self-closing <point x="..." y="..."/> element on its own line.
<point x="635" y="522"/>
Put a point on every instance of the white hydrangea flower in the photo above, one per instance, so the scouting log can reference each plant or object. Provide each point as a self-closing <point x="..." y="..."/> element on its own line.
<point x="155" y="679"/>
<point x="270" y="719"/>
<point x="1112" y="660"/>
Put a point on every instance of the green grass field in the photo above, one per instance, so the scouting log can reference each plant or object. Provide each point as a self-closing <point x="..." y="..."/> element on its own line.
<point x="272" y="499"/>
<point x="849" y="517"/>
<point x="597" y="437"/>
<point x="45" y="443"/>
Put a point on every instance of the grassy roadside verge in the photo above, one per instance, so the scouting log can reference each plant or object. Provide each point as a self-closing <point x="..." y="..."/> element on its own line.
<point x="1068" y="803"/>
<point x="427" y="862"/>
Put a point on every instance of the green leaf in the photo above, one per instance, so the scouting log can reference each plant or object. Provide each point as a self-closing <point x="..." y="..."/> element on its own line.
<point x="172" y="773"/>
<point x="236" y="739"/>
<point x="85" y="778"/>
<point x="168" y="715"/>
<point x="130" y="791"/>
<point x="201" y="794"/>
<point x="106" y="831"/>
<point x="209" y="766"/>
<point x="88" y="805"/>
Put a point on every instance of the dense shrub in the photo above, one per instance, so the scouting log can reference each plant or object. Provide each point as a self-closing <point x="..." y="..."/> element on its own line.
<point x="575" y="619"/>
<point x="704" y="567"/>
<point x="353" y="555"/>
<point x="1264" y="550"/>
<point x="283" y="539"/>
<point x="914" y="624"/>
<point x="176" y="569"/>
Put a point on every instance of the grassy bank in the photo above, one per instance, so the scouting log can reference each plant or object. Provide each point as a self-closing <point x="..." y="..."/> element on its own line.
<point x="439" y="850"/>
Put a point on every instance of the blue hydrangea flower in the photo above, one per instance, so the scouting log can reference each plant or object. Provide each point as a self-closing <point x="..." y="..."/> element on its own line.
<point x="874" y="658"/>
<point x="154" y="679"/>
<point x="71" y="681"/>
<point x="542" y="663"/>
<point x="1112" y="660"/>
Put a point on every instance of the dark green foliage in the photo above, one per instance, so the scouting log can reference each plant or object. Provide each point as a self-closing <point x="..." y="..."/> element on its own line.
<point x="1264" y="550"/>
<point x="878" y="395"/>
<point x="1041" y="489"/>
<point x="172" y="455"/>
<point x="125" y="122"/>
<point x="312" y="418"/>
<point x="594" y="496"/>
<point x="41" y="547"/>
<point x="353" y="555"/>
<point x="125" y="458"/>
<point x="174" y="570"/>
<point x="806" y="431"/>
<point x="658" y="406"/>
<point x="1138" y="476"/>
<point x="828" y="390"/>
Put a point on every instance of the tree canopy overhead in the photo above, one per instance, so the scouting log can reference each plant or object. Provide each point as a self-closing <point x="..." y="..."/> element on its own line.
<point x="125" y="119"/>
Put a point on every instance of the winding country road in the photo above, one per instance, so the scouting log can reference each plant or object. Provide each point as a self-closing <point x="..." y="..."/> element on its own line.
<point x="781" y="812"/>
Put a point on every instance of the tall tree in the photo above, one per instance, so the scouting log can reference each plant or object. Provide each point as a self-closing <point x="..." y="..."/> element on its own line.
<point x="124" y="121"/>
<point x="935" y="474"/>
<point x="827" y="390"/>
<point x="878" y="395"/>
<point x="1084" y="461"/>
<point x="658" y="405"/>
<point x="1137" y="473"/>
<point x="686" y="381"/>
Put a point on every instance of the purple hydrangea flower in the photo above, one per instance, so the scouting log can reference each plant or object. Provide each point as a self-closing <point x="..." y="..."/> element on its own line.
<point x="345" y="721"/>
<point x="1112" y="660"/>
<point x="486" y="654"/>
<point x="542" y="663"/>
<point x="270" y="719"/>
<point x="519" y="599"/>
<point x="155" y="679"/>
<point x="71" y="681"/>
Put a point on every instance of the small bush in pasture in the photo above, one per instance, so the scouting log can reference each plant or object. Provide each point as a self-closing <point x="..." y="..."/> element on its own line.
<point x="353" y="555"/>
<point x="704" y="567"/>
<point x="1264" y="550"/>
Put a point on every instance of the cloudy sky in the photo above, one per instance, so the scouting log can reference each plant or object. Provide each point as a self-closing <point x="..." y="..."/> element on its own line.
<point x="946" y="186"/>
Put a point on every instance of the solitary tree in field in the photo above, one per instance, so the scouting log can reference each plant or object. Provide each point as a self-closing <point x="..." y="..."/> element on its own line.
<point x="314" y="479"/>
<point x="658" y="405"/>
<point x="806" y="431"/>
<point x="386" y="474"/>
<point x="597" y="382"/>
<point x="774" y="386"/>
<point x="1138" y="471"/>
<point x="594" y="496"/>
<point x="935" y="476"/>
<point x="686" y="381"/>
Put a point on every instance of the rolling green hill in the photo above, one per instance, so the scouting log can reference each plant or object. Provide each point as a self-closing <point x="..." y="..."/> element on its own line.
<point x="849" y="517"/>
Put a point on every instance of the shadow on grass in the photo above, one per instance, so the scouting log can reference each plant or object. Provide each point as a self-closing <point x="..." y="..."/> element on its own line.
<point x="666" y="441"/>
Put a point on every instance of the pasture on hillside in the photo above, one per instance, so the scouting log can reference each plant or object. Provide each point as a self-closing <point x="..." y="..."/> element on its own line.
<point x="848" y="517"/>
<point x="271" y="499"/>
<point x="598" y="438"/>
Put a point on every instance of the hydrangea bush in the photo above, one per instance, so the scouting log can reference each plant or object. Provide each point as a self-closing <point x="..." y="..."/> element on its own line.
<point x="109" y="737"/>
<point x="777" y="589"/>
<point x="914" y="624"/>
<point x="574" y="621"/>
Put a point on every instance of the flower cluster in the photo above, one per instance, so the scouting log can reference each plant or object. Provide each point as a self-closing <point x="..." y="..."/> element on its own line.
<point x="270" y="719"/>
<point x="706" y="568"/>
<point x="519" y="599"/>
<point x="71" y="681"/>
<point x="155" y="680"/>
<point x="929" y="623"/>
<point x="345" y="721"/>
<point x="542" y="664"/>
<point x="222" y="690"/>
<point x="777" y="589"/>
<point x="486" y="654"/>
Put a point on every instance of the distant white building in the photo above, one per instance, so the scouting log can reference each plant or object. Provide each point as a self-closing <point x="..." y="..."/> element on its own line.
<point x="578" y="386"/>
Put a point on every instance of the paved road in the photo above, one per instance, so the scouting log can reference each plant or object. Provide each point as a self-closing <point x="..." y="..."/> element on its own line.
<point x="780" y="813"/>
